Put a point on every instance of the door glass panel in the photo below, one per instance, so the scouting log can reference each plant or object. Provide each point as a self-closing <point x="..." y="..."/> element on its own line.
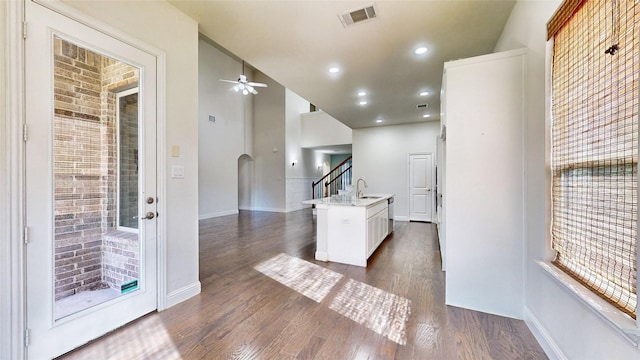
<point x="95" y="161"/>
<point x="128" y="159"/>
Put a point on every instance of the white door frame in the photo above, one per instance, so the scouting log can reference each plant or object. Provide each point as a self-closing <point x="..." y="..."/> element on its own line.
<point x="12" y="251"/>
<point x="409" y="155"/>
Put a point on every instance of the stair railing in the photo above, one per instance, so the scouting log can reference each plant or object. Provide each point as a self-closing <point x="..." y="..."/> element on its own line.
<point x="334" y="180"/>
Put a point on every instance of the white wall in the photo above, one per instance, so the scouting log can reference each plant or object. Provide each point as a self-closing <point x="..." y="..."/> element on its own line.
<point x="321" y="129"/>
<point x="483" y="201"/>
<point x="222" y="142"/>
<point x="149" y="22"/>
<point x="269" y="146"/>
<point x="294" y="106"/>
<point x="380" y="155"/>
<point x="299" y="177"/>
<point x="566" y="327"/>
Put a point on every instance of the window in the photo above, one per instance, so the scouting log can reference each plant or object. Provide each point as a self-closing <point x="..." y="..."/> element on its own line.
<point x="127" y="122"/>
<point x="594" y="146"/>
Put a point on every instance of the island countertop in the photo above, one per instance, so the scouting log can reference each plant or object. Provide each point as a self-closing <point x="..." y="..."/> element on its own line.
<point x="348" y="200"/>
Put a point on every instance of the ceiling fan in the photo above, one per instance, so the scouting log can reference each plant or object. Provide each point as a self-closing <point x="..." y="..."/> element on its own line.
<point x="243" y="85"/>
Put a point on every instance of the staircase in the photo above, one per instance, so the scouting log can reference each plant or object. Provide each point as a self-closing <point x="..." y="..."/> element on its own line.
<point x="337" y="179"/>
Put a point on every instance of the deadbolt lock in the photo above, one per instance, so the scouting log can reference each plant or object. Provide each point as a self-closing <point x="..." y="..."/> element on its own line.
<point x="150" y="200"/>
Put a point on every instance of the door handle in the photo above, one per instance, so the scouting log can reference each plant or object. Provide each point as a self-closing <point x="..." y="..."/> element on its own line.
<point x="150" y="215"/>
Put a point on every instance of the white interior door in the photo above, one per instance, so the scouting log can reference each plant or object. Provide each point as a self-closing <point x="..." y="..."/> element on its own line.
<point x="420" y="189"/>
<point x="90" y="173"/>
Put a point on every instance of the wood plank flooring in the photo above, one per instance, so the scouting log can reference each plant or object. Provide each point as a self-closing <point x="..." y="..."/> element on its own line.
<point x="243" y="314"/>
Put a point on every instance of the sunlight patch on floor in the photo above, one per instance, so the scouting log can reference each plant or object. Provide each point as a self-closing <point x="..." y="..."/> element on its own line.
<point x="310" y="280"/>
<point x="378" y="310"/>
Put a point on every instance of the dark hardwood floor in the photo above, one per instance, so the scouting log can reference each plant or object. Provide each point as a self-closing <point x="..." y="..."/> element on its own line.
<point x="243" y="314"/>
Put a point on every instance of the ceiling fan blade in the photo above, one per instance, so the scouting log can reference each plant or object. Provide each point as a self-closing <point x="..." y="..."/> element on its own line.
<point x="229" y="81"/>
<point x="251" y="89"/>
<point x="255" y="84"/>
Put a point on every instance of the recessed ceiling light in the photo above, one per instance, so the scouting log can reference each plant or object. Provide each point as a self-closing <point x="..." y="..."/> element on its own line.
<point x="424" y="93"/>
<point x="334" y="70"/>
<point x="426" y="115"/>
<point x="362" y="93"/>
<point x="379" y="121"/>
<point x="419" y="51"/>
<point x="363" y="102"/>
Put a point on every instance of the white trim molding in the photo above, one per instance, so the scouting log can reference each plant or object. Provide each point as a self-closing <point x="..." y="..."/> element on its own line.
<point x="218" y="214"/>
<point x="551" y="349"/>
<point x="12" y="187"/>
<point x="182" y="294"/>
<point x="622" y="323"/>
<point x="268" y="209"/>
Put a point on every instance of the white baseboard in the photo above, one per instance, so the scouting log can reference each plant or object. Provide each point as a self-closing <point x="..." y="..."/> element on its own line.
<point x="322" y="256"/>
<point x="401" y="218"/>
<point x="540" y="333"/>
<point x="278" y="210"/>
<point x="298" y="207"/>
<point x="217" y="214"/>
<point x="182" y="294"/>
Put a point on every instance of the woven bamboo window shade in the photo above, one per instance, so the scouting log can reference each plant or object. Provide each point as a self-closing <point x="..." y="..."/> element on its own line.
<point x="595" y="147"/>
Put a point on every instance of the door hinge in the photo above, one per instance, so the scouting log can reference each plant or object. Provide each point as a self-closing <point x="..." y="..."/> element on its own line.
<point x="26" y="235"/>
<point x="25" y="132"/>
<point x="24" y="29"/>
<point x="27" y="336"/>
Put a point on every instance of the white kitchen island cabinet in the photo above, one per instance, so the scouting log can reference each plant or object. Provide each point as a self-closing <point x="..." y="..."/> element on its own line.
<point x="349" y="230"/>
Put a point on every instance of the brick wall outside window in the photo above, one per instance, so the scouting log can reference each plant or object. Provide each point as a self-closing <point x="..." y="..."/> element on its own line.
<point x="85" y="165"/>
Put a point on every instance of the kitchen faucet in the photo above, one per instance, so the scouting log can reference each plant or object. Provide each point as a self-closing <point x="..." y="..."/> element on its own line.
<point x="358" y="191"/>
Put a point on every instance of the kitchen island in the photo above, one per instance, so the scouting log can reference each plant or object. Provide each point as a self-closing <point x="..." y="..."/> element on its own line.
<point x="350" y="229"/>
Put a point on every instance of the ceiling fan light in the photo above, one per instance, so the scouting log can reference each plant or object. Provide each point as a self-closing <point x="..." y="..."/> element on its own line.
<point x="236" y="88"/>
<point x="245" y="92"/>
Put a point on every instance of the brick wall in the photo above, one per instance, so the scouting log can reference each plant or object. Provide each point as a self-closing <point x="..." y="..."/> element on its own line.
<point x="120" y="258"/>
<point x="121" y="250"/>
<point x="85" y="154"/>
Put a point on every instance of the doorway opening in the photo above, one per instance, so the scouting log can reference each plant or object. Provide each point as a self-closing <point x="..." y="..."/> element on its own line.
<point x="245" y="182"/>
<point x="95" y="167"/>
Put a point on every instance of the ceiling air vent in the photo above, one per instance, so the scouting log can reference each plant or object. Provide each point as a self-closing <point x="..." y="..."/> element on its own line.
<point x="357" y="16"/>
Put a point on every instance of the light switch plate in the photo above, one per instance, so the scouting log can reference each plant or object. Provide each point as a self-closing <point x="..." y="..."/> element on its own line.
<point x="177" y="172"/>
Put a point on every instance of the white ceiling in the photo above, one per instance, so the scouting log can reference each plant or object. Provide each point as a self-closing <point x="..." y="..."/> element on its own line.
<point x="296" y="42"/>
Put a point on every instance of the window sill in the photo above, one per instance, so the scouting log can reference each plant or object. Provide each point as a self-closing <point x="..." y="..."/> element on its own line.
<point x="619" y="321"/>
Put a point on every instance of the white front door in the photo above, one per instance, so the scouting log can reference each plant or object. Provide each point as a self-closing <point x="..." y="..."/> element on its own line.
<point x="90" y="183"/>
<point x="420" y="189"/>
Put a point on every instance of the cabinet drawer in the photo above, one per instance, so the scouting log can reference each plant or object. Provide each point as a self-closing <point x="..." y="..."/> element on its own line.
<point x="376" y="208"/>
